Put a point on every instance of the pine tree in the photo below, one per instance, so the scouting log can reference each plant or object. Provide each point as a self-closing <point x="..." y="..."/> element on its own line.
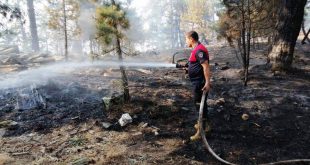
<point x="245" y="20"/>
<point x="111" y="20"/>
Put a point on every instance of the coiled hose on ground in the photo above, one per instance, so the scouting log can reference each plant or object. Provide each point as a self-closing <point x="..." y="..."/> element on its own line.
<point x="204" y="139"/>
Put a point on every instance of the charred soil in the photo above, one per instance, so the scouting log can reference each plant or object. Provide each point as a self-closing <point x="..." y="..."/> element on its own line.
<point x="69" y="129"/>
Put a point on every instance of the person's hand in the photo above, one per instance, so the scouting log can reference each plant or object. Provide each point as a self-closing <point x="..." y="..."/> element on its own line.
<point x="206" y="87"/>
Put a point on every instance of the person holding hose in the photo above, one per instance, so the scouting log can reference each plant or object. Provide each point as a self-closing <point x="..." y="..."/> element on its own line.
<point x="199" y="74"/>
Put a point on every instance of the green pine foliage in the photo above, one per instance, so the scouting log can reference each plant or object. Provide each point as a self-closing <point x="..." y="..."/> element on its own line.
<point x="111" y="20"/>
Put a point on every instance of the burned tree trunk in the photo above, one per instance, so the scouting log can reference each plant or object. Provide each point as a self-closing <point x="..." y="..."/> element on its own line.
<point x="65" y="28"/>
<point x="290" y="17"/>
<point x="123" y="72"/>
<point x="248" y="49"/>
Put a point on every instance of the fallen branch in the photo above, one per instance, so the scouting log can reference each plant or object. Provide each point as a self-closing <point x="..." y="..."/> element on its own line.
<point x="20" y="153"/>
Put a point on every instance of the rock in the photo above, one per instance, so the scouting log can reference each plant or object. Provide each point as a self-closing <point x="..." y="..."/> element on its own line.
<point x="106" y="125"/>
<point x="29" y="98"/>
<point x="114" y="99"/>
<point x="220" y="101"/>
<point x="245" y="117"/>
<point x="106" y="102"/>
<point x="125" y="119"/>
<point x="7" y="123"/>
<point x="2" y="132"/>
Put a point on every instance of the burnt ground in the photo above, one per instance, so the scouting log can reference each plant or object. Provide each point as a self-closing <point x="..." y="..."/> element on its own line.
<point x="69" y="129"/>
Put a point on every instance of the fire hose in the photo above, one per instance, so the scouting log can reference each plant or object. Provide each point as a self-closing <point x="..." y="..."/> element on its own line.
<point x="203" y="134"/>
<point x="204" y="139"/>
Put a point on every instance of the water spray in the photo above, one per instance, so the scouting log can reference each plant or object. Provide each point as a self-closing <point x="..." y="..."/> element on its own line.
<point x="42" y="74"/>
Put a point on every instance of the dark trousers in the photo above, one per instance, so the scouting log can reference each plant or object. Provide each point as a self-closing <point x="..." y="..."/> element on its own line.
<point x="197" y="86"/>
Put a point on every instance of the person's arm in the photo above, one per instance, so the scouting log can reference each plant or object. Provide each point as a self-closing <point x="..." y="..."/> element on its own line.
<point x="203" y="58"/>
<point x="207" y="74"/>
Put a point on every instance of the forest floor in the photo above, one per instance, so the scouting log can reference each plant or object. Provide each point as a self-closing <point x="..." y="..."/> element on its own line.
<point x="69" y="130"/>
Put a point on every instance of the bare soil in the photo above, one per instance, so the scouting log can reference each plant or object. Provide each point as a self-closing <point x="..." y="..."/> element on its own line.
<point x="69" y="130"/>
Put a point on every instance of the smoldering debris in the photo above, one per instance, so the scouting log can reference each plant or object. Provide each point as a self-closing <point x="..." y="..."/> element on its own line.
<point x="29" y="98"/>
<point x="43" y="107"/>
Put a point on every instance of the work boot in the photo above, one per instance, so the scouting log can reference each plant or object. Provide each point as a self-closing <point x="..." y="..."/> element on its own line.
<point x="196" y="126"/>
<point x="197" y="134"/>
<point x="207" y="126"/>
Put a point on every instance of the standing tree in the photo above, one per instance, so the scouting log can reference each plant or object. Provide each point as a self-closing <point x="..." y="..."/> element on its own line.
<point x="33" y="26"/>
<point x="63" y="18"/>
<point x="245" y="20"/>
<point x="289" y="19"/>
<point x="199" y="20"/>
<point x="176" y="7"/>
<point x="236" y="26"/>
<point x="110" y="20"/>
<point x="65" y="28"/>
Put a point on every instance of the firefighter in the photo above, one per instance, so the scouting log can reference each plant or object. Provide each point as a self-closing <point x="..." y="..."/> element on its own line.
<point x="199" y="74"/>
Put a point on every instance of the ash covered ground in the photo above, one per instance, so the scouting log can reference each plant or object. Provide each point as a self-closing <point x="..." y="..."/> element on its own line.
<point x="62" y="119"/>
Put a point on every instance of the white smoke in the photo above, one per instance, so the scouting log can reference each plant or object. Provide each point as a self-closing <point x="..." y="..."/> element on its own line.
<point x="44" y="74"/>
<point x="86" y="21"/>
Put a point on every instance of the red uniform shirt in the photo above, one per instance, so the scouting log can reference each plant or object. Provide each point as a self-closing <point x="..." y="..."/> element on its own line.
<point x="198" y="56"/>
